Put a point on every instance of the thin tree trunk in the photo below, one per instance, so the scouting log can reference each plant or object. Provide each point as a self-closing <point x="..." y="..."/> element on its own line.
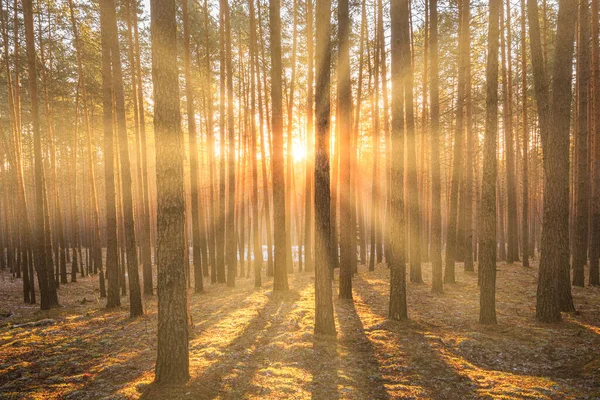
<point x="436" y="192"/>
<point x="199" y="255"/>
<point x="277" y="167"/>
<point x="594" y="273"/>
<point x="582" y="207"/>
<point x="45" y="279"/>
<point x="396" y="224"/>
<point x="230" y="245"/>
<point x="525" y="122"/>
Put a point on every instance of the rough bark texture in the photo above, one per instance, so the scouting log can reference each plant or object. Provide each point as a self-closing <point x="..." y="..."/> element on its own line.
<point x="48" y="296"/>
<point x="112" y="266"/>
<point x="135" y="295"/>
<point x="324" y="321"/>
<point x="436" y="185"/>
<point x="310" y="142"/>
<point x="487" y="236"/>
<point x="554" y="289"/>
<point x="594" y="273"/>
<point x="172" y="363"/>
<point x="230" y="232"/>
<point x="258" y="253"/>
<point x="582" y="206"/>
<point x="396" y="223"/>
<point x="525" y="206"/>
<point x="277" y="166"/>
<point x="198" y="257"/>
<point x="451" y="234"/>
<point x="345" y="121"/>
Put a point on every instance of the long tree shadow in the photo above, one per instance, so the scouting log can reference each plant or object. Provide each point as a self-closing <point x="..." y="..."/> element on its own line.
<point x="359" y="364"/>
<point x="323" y="366"/>
<point x="411" y="359"/>
<point x="230" y="376"/>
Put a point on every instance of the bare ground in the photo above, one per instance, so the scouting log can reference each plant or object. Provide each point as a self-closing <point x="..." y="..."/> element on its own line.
<point x="253" y="343"/>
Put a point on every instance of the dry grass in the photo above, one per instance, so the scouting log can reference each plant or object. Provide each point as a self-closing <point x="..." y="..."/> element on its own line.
<point x="252" y="343"/>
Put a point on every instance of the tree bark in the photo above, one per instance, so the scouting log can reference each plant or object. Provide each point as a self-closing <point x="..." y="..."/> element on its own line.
<point x="396" y="223"/>
<point x="487" y="236"/>
<point x="172" y="363"/>
<point x="277" y="167"/>
<point x="582" y="207"/>
<point x="324" y="320"/>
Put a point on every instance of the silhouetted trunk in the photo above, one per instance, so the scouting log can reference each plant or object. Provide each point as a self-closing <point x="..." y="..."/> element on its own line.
<point x="112" y="263"/>
<point x="436" y="185"/>
<point x="594" y="273"/>
<point x="277" y="167"/>
<point x="554" y="289"/>
<point x="525" y="216"/>
<point x="512" y="231"/>
<point x="324" y="320"/>
<point x="471" y="155"/>
<point x="345" y="121"/>
<point x="310" y="142"/>
<point x="451" y="234"/>
<point x="45" y="275"/>
<point x="396" y="223"/>
<point x="135" y="296"/>
<point x="257" y="252"/>
<point x="412" y="183"/>
<point x="199" y="256"/>
<point x="230" y="245"/>
<point x="582" y="206"/>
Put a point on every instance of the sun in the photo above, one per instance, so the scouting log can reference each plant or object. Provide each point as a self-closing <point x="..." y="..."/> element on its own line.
<point x="298" y="150"/>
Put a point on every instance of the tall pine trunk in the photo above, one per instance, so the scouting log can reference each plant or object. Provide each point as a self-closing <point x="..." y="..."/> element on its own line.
<point x="172" y="362"/>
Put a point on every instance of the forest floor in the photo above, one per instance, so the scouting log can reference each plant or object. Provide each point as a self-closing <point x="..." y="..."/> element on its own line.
<point x="253" y="343"/>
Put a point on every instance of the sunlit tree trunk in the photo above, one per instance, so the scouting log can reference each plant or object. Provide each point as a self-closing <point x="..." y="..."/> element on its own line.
<point x="264" y="116"/>
<point x="525" y="122"/>
<point x="384" y="210"/>
<point x="451" y="234"/>
<point x="135" y="298"/>
<point x="512" y="231"/>
<point x="199" y="255"/>
<point x="172" y="363"/>
<point x="412" y="183"/>
<point x="257" y="251"/>
<point x="277" y="167"/>
<point x="210" y="141"/>
<point x="230" y="232"/>
<point x="436" y="185"/>
<point x="221" y="278"/>
<point x="487" y="236"/>
<point x="471" y="155"/>
<point x="344" y="104"/>
<point x="290" y="190"/>
<point x="375" y="201"/>
<point x="324" y="320"/>
<point x="396" y="224"/>
<point x="357" y="195"/>
<point x="144" y="240"/>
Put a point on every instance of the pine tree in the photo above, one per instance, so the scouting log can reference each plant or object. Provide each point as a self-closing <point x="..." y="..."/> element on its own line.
<point x="172" y="363"/>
